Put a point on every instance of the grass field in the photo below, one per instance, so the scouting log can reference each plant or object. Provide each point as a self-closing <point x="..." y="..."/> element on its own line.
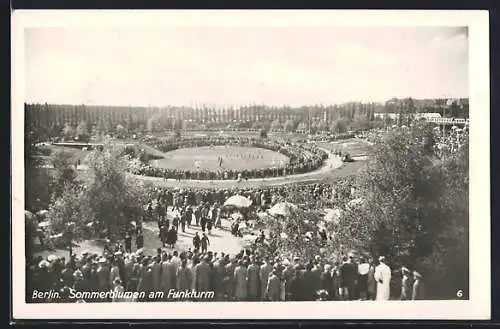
<point x="77" y="154"/>
<point x="233" y="158"/>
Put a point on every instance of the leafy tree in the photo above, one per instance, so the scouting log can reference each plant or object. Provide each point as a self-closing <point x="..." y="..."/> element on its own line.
<point x="120" y="131"/>
<point x="289" y="126"/>
<point x="414" y="210"/>
<point x="64" y="171"/>
<point x="339" y="126"/>
<point x="82" y="131"/>
<point x="69" y="131"/>
<point x="177" y="134"/>
<point x="302" y="126"/>
<point x="263" y="133"/>
<point x="111" y="198"/>
<point x="448" y="262"/>
<point x="295" y="235"/>
<point x="65" y="216"/>
<point x="37" y="180"/>
<point x="276" y="125"/>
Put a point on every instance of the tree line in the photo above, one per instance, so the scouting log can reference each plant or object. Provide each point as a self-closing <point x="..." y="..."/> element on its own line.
<point x="51" y="120"/>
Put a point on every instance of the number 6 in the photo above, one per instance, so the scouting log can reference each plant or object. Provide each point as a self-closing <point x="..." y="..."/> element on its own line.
<point x="460" y="293"/>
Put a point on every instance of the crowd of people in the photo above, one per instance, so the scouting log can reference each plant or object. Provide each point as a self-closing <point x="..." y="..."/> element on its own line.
<point x="249" y="275"/>
<point x="253" y="274"/>
<point x="302" y="158"/>
<point x="449" y="143"/>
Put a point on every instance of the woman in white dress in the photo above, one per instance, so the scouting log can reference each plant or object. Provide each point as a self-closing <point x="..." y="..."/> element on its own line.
<point x="383" y="278"/>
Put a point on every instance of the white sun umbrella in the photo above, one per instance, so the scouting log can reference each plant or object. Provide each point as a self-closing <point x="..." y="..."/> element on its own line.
<point x="28" y="214"/>
<point x="249" y="237"/>
<point x="332" y="215"/>
<point x="282" y="209"/>
<point x="454" y="128"/>
<point x="242" y="225"/>
<point x="52" y="258"/>
<point x="283" y="235"/>
<point x="42" y="213"/>
<point x="238" y="201"/>
<point x="356" y="202"/>
<point x="56" y="236"/>
<point x="44" y="224"/>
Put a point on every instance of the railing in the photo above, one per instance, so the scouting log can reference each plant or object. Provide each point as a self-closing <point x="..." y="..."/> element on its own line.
<point x="448" y="120"/>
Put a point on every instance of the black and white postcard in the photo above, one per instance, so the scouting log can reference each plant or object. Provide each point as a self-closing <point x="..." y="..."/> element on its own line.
<point x="250" y="165"/>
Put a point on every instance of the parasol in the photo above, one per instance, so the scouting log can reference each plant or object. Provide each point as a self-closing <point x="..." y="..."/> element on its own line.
<point x="44" y="224"/>
<point x="238" y="201"/>
<point x="332" y="215"/>
<point x="52" y="258"/>
<point x="356" y="202"/>
<point x="43" y="263"/>
<point x="282" y="209"/>
<point x="29" y="215"/>
<point x="56" y="236"/>
<point x="249" y="238"/>
<point x="42" y="213"/>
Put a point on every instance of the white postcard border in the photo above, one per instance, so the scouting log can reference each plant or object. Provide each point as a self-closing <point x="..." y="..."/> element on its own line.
<point x="478" y="307"/>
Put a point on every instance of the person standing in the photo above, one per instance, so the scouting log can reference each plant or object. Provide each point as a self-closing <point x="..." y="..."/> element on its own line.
<point x="344" y="277"/>
<point x="118" y="291"/>
<point x="128" y="242"/>
<point x="167" y="275"/>
<point x="172" y="237"/>
<point x="218" y="221"/>
<point x="406" y="288"/>
<point x="383" y="277"/>
<point x="102" y="274"/>
<point x="114" y="273"/>
<point x="163" y="235"/>
<point x="418" y="287"/>
<point x="363" y="270"/>
<point x="265" y="270"/>
<point x="205" y="242"/>
<point x="189" y="216"/>
<point x="203" y="223"/>
<point x="327" y="281"/>
<point x="229" y="278"/>
<point x="240" y="278"/>
<point x="156" y="273"/>
<point x="184" y="276"/>
<point x="273" y="290"/>
<point x="196" y="241"/>
<point x="175" y="223"/>
<point x="371" y="282"/>
<point x="197" y="215"/>
<point x="253" y="276"/>
<point x="202" y="275"/>
<point x="183" y="221"/>
<point x="209" y="225"/>
<point x="139" y="240"/>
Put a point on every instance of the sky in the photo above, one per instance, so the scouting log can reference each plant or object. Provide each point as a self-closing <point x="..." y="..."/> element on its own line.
<point x="242" y="65"/>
